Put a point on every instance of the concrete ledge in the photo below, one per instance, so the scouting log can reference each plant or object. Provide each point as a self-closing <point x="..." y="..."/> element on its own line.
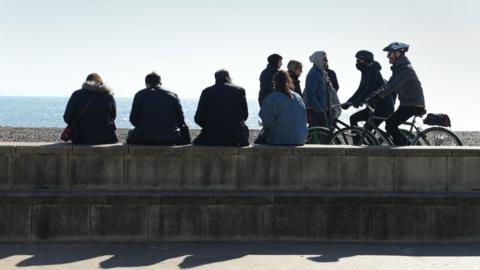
<point x="26" y="166"/>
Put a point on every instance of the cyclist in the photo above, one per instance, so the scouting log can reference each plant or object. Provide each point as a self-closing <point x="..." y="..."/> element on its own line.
<point x="371" y="80"/>
<point x="405" y="82"/>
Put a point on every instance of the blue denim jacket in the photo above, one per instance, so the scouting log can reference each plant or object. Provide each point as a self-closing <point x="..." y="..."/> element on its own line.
<point x="284" y="119"/>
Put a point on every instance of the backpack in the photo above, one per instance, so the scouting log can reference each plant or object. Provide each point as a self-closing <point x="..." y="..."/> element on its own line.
<point x="437" y="119"/>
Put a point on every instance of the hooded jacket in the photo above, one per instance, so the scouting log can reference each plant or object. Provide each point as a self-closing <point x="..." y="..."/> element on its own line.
<point x="94" y="122"/>
<point x="315" y="93"/>
<point x="266" y="82"/>
<point x="157" y="116"/>
<point x="371" y="81"/>
<point x="405" y="82"/>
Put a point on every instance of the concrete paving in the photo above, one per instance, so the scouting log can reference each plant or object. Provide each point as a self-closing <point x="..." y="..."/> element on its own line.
<point x="238" y="255"/>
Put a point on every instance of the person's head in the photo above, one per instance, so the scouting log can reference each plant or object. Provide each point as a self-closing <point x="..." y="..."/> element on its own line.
<point x="395" y="50"/>
<point x="94" y="77"/>
<point x="222" y="76"/>
<point x="282" y="82"/>
<point x="295" y="67"/>
<point x="364" y="58"/>
<point x="152" y="80"/>
<point x="319" y="59"/>
<point x="275" y="60"/>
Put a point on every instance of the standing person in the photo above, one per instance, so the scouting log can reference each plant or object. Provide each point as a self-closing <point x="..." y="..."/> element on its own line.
<point x="156" y="114"/>
<point x="222" y="112"/>
<point x="295" y="69"/>
<point x="283" y="113"/>
<point x="266" y="77"/>
<point x="316" y="93"/>
<point x="91" y="111"/>
<point x="332" y="76"/>
<point x="405" y="82"/>
<point x="371" y="80"/>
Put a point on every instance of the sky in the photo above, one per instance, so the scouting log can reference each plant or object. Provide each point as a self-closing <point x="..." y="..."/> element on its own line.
<point x="48" y="47"/>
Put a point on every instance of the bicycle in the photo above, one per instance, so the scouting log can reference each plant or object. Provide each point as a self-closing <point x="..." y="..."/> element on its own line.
<point x="371" y="134"/>
<point x="322" y="135"/>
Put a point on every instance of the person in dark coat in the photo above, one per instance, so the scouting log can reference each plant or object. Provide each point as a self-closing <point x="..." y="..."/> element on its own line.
<point x="156" y="114"/>
<point x="332" y="77"/>
<point x="266" y="77"/>
<point x="371" y="80"/>
<point x="222" y="111"/>
<point x="405" y="83"/>
<point x="91" y="113"/>
<point x="295" y="69"/>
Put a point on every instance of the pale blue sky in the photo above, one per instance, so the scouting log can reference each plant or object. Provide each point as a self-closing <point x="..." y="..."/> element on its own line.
<point x="48" y="47"/>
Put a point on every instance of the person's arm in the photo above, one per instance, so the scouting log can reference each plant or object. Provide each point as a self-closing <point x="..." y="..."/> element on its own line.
<point x="179" y="112"/>
<point x="266" y="86"/>
<point x="393" y="84"/>
<point x="113" y="111"/>
<point x="69" y="115"/>
<point x="200" y="114"/>
<point x="312" y="83"/>
<point x="267" y="112"/>
<point x="135" y="112"/>
<point x="244" y="105"/>
<point x="356" y="96"/>
<point x="370" y="81"/>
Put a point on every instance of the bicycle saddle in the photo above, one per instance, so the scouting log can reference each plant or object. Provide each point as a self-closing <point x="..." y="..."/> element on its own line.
<point x="421" y="113"/>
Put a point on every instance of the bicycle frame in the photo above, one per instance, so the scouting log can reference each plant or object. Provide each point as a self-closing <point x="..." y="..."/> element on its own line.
<point x="373" y="126"/>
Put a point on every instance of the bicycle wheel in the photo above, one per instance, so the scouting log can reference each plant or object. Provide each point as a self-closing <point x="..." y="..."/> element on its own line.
<point x="407" y="134"/>
<point x="352" y="136"/>
<point x="382" y="137"/>
<point x="318" y="135"/>
<point x="437" y="136"/>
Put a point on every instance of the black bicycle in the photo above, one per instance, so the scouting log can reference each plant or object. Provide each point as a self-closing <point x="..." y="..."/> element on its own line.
<point x="371" y="134"/>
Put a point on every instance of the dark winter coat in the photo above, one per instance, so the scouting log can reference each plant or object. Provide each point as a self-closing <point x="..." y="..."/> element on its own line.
<point x="96" y="124"/>
<point x="266" y="82"/>
<point x="296" y="83"/>
<point x="157" y="116"/>
<point x="405" y="82"/>
<point x="371" y="81"/>
<point x="222" y="111"/>
<point x="333" y="78"/>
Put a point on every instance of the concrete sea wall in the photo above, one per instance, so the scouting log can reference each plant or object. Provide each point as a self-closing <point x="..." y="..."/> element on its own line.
<point x="130" y="192"/>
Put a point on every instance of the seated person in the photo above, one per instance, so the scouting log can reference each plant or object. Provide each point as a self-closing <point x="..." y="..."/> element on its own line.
<point x="221" y="112"/>
<point x="91" y="112"/>
<point x="283" y="113"/>
<point x="156" y="114"/>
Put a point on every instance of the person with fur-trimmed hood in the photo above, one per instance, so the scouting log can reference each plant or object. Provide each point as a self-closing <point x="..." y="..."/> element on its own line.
<point x="91" y="113"/>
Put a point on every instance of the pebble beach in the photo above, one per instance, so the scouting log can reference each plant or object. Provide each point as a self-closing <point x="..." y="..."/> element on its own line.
<point x="15" y="134"/>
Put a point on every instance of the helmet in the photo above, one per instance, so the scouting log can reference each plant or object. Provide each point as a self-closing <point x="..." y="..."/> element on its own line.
<point x="365" y="55"/>
<point x="396" y="46"/>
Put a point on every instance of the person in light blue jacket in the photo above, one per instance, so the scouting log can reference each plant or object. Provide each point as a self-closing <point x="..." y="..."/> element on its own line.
<point x="283" y="113"/>
<point x="315" y="93"/>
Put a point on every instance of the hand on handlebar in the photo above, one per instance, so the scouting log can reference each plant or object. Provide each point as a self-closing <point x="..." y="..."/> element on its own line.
<point x="346" y="105"/>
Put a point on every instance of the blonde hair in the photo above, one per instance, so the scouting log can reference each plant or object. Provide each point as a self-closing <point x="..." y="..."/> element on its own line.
<point x="293" y="65"/>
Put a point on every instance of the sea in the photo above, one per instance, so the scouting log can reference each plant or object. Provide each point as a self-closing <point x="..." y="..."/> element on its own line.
<point x="48" y="112"/>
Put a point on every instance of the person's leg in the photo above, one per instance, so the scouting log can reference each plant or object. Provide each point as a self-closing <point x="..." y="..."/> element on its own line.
<point x="359" y="116"/>
<point x="396" y="119"/>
